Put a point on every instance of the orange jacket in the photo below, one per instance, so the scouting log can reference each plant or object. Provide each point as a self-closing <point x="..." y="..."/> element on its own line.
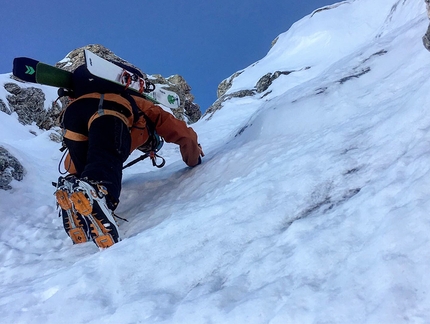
<point x="167" y="126"/>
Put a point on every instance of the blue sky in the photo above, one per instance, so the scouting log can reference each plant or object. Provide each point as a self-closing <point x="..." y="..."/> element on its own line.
<point x="204" y="41"/>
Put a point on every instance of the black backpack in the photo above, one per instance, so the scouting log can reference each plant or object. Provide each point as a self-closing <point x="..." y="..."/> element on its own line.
<point x="84" y="82"/>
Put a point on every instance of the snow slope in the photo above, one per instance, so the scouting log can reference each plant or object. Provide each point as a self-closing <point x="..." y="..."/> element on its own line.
<point x="311" y="205"/>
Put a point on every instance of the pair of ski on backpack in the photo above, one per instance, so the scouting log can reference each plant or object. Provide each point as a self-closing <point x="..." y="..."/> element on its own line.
<point x="102" y="76"/>
<point x="96" y="75"/>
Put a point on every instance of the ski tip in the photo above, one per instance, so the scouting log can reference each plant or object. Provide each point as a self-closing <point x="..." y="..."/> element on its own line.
<point x="24" y="68"/>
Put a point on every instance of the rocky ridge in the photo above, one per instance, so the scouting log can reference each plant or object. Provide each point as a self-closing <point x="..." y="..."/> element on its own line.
<point x="261" y="86"/>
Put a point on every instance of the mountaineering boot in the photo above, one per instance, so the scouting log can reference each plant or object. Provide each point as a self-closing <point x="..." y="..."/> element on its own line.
<point x="75" y="225"/>
<point x="89" y="200"/>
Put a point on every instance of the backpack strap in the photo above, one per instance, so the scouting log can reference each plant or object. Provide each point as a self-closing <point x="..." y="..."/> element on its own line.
<point x="100" y="112"/>
<point x="77" y="137"/>
<point x="155" y="140"/>
<point x="103" y="112"/>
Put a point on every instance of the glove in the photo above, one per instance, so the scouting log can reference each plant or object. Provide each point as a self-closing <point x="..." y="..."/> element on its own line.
<point x="201" y="154"/>
<point x="201" y="151"/>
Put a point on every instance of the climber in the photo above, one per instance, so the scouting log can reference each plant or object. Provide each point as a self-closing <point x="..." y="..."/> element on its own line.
<point x="100" y="131"/>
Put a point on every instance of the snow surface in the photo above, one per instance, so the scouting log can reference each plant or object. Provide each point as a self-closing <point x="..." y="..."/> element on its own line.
<point x="311" y="205"/>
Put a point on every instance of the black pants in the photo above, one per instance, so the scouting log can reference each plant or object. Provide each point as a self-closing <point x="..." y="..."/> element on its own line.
<point x="108" y="146"/>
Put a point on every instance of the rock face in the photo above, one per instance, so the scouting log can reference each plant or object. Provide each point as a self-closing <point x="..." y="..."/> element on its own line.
<point x="4" y="108"/>
<point x="217" y="105"/>
<point x="226" y="84"/>
<point x="29" y="104"/>
<point x="266" y="80"/>
<point x="188" y="110"/>
<point x="10" y="169"/>
<point x="261" y="86"/>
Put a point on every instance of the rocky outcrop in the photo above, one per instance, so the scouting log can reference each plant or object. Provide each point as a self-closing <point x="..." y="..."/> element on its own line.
<point x="192" y="111"/>
<point x="217" y="105"/>
<point x="266" y="80"/>
<point x="29" y="104"/>
<point x="226" y="84"/>
<point x="261" y="86"/>
<point x="188" y="110"/>
<point x="10" y="169"/>
<point x="4" y="108"/>
<point x="223" y="87"/>
<point x="274" y="42"/>
<point x="329" y="7"/>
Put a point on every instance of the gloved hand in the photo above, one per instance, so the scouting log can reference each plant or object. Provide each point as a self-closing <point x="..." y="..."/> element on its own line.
<point x="201" y="154"/>
<point x="201" y="151"/>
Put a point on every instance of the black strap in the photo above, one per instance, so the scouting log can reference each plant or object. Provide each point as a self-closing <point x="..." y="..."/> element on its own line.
<point x="100" y="109"/>
<point x="63" y="149"/>
<point x="153" y="157"/>
<point x="136" y="111"/>
<point x="150" y="125"/>
<point x="140" y="158"/>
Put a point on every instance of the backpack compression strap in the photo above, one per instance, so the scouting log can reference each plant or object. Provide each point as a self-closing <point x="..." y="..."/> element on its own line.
<point x="100" y="112"/>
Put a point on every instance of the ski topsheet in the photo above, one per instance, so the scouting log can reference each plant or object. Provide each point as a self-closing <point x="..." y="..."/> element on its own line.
<point x="106" y="70"/>
<point x="25" y="69"/>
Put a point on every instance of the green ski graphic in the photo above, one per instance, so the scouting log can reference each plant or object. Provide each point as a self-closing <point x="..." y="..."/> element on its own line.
<point x="30" y="70"/>
<point x="171" y="99"/>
